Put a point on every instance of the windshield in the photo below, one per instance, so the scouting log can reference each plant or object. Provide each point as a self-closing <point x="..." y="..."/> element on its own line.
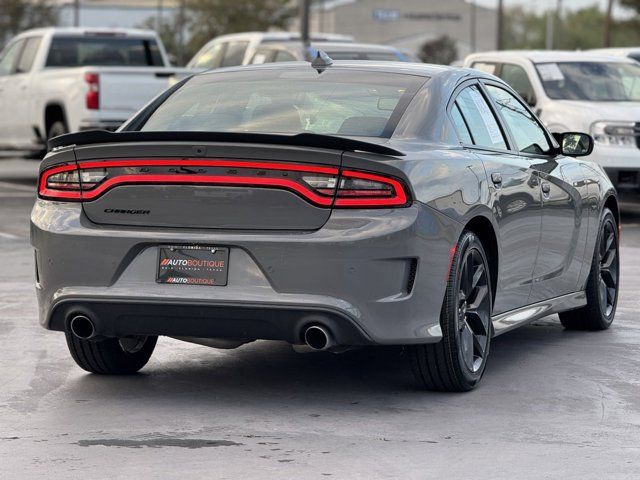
<point x="592" y="81"/>
<point x="97" y="51"/>
<point x="335" y="102"/>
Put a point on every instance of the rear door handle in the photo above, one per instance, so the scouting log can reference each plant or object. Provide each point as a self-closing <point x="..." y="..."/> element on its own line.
<point x="496" y="178"/>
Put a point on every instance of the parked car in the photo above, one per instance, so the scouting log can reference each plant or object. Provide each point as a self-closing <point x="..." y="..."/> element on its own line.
<point x="337" y="204"/>
<point x="297" y="51"/>
<point x="239" y="48"/>
<point x="579" y="91"/>
<point x="58" y="80"/>
<point x="630" y="52"/>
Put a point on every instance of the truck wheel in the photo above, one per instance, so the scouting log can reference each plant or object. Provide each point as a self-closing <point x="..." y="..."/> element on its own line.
<point x="602" y="284"/>
<point x="457" y="362"/>
<point x="56" y="129"/>
<point x="111" y="356"/>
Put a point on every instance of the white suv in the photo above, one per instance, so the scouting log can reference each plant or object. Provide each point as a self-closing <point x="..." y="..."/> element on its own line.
<point x="583" y="92"/>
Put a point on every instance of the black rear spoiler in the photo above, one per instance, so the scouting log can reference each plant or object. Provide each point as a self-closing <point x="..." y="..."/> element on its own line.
<point x="313" y="140"/>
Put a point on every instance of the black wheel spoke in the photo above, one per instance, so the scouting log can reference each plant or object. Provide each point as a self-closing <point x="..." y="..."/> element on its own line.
<point x="467" y="341"/>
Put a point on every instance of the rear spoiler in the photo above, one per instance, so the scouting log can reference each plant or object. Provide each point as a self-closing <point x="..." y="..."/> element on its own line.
<point x="313" y="140"/>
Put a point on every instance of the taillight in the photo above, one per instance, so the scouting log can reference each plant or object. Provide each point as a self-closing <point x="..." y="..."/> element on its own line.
<point x="363" y="190"/>
<point x="319" y="185"/>
<point x="93" y="93"/>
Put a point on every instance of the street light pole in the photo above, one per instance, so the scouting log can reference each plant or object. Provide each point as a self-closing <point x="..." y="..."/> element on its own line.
<point x="159" y="17"/>
<point x="305" y="6"/>
<point x="472" y="26"/>
<point x="550" y="21"/>
<point x="181" y="22"/>
<point x="76" y="13"/>
<point x="500" y="24"/>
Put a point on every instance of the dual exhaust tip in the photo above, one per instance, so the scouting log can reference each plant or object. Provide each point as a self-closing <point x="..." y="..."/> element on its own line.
<point x="315" y="336"/>
<point x="82" y="327"/>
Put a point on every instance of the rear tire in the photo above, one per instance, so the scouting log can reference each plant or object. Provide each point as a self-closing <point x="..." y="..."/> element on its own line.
<point x="108" y="356"/>
<point x="458" y="361"/>
<point x="56" y="129"/>
<point x="602" y="284"/>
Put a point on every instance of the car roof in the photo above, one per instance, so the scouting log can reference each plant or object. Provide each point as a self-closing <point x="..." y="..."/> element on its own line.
<point x="548" y="56"/>
<point x="616" y="51"/>
<point x="82" y="31"/>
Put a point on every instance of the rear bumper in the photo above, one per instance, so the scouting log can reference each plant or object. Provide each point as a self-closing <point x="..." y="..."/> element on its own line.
<point x="371" y="276"/>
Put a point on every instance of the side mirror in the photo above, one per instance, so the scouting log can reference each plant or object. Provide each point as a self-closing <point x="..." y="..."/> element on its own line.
<point x="574" y="144"/>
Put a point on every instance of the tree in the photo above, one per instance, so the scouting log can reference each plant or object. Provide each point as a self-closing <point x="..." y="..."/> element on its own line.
<point x="209" y="18"/>
<point x="442" y="50"/>
<point x="19" y="15"/>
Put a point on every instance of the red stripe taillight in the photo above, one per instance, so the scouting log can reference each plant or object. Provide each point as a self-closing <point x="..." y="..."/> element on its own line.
<point x="322" y="186"/>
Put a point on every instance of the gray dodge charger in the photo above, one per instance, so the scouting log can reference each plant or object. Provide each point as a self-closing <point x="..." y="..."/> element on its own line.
<point x="327" y="204"/>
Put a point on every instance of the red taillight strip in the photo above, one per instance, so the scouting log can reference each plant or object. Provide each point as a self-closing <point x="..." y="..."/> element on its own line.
<point x="292" y="167"/>
<point x="207" y="180"/>
<point x="398" y="199"/>
<point x="48" y="193"/>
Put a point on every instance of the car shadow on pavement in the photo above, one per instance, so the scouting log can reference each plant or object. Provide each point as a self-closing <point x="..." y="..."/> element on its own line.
<point x="268" y="373"/>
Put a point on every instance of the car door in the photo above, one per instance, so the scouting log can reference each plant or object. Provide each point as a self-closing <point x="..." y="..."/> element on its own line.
<point x="514" y="193"/>
<point x="8" y="60"/>
<point x="21" y="127"/>
<point x="564" y="193"/>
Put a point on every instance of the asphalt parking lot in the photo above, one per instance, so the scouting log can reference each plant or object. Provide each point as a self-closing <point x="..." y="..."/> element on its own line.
<point x="553" y="404"/>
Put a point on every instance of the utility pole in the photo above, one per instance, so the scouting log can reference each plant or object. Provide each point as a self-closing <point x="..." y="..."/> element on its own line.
<point x="76" y="13"/>
<point x="500" y="24"/>
<point x="558" y="29"/>
<point x="472" y="26"/>
<point x="607" y="24"/>
<point x="305" y="7"/>
<point x="159" y="17"/>
<point x="181" y="22"/>
<point x="550" y="20"/>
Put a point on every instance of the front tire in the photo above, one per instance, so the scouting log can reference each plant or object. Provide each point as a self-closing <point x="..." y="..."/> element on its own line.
<point x="111" y="356"/>
<point x="458" y="361"/>
<point x="602" y="284"/>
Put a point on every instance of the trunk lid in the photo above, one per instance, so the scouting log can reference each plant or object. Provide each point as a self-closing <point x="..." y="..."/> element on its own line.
<point x="226" y="185"/>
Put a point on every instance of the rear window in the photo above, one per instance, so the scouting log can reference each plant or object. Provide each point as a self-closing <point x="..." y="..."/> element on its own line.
<point x="336" y="102"/>
<point x="377" y="56"/>
<point x="103" y="51"/>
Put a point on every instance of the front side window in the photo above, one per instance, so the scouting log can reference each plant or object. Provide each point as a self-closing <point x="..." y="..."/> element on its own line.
<point x="282" y="56"/>
<point x="526" y="130"/>
<point x="9" y="56"/>
<point x="482" y="124"/>
<point x="591" y="81"/>
<point x="338" y="102"/>
<point x="103" y="51"/>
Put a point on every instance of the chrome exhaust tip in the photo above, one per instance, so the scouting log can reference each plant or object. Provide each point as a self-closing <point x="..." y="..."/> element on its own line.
<point x="82" y="327"/>
<point x="318" y="337"/>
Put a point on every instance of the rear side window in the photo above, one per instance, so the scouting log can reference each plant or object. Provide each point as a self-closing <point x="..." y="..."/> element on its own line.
<point x="234" y="55"/>
<point x="103" y="51"/>
<point x="480" y="120"/>
<point x="460" y="125"/>
<point x="28" y="55"/>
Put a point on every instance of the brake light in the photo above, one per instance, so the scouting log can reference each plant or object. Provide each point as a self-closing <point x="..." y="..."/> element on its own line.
<point x="93" y="94"/>
<point x="319" y="185"/>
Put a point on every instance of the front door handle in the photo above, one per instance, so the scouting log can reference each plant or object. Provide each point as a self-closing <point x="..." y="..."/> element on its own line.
<point x="496" y="178"/>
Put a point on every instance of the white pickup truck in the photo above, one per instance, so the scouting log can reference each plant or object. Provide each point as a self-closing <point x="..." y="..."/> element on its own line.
<point x="58" y="80"/>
